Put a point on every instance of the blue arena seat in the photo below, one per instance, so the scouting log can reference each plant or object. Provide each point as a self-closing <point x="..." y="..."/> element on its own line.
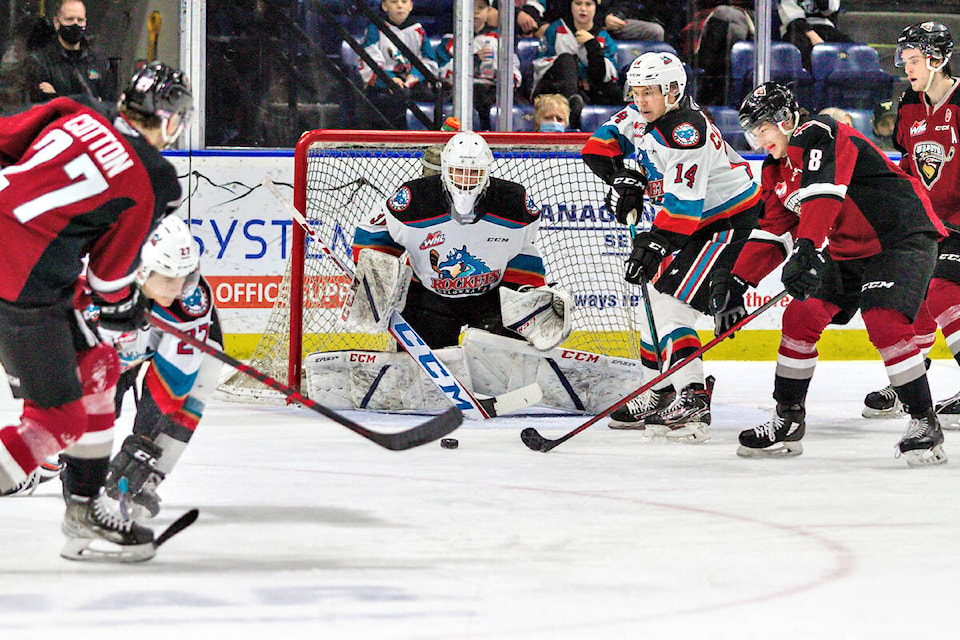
<point x="863" y="122"/>
<point x="849" y="76"/>
<point x="594" y="115"/>
<point x="526" y="52"/>
<point x="628" y="50"/>
<point x="786" y="66"/>
<point x="726" y="119"/>
<point x="413" y="124"/>
<point x="521" y="120"/>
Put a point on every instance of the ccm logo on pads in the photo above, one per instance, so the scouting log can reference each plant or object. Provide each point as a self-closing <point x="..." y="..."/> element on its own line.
<point x="876" y="284"/>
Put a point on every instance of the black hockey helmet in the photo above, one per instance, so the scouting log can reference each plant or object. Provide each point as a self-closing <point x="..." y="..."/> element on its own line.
<point x="931" y="38"/>
<point x="158" y="90"/>
<point x="770" y="102"/>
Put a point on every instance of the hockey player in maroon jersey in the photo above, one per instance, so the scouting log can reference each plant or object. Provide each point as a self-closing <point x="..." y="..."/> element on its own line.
<point x="825" y="183"/>
<point x="75" y="185"/>
<point x="927" y="133"/>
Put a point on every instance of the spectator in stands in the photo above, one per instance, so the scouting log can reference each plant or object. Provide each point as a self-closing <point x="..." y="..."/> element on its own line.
<point x="529" y="14"/>
<point x="807" y="23"/>
<point x="485" y="46"/>
<point x="630" y="20"/>
<point x="69" y="66"/>
<point x="408" y="80"/>
<point x="551" y="113"/>
<point x="884" y="123"/>
<point x="577" y="59"/>
<point x="707" y="39"/>
<point x="838" y="114"/>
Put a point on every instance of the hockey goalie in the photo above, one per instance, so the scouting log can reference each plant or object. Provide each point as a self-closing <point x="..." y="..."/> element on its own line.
<point x="450" y="251"/>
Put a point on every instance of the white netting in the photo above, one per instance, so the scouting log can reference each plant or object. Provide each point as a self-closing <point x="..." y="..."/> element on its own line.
<point x="582" y="245"/>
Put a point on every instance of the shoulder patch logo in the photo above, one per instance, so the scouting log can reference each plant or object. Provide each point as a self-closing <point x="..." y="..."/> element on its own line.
<point x="532" y="208"/>
<point x="401" y="199"/>
<point x="196" y="304"/>
<point x="686" y="135"/>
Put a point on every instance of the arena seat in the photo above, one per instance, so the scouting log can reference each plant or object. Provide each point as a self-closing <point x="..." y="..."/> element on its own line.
<point x="786" y="66"/>
<point x="594" y="115"/>
<point x="726" y="119"/>
<point x="521" y="120"/>
<point x="849" y="76"/>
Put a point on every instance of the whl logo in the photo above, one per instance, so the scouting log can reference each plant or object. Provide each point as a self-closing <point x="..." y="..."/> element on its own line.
<point x="876" y="284"/>
<point x="432" y="240"/>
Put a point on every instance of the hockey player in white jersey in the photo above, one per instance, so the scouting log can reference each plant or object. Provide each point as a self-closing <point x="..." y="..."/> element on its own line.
<point x="178" y="379"/>
<point x="707" y="200"/>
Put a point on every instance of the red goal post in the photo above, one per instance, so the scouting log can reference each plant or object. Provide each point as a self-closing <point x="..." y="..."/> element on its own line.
<point x="341" y="175"/>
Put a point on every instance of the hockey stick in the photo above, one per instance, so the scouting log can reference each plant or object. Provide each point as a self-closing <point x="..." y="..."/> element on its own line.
<point x="537" y="442"/>
<point x="414" y="345"/>
<point x="434" y="428"/>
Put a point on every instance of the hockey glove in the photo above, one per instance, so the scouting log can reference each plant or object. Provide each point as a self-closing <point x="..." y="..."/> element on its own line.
<point x="629" y="185"/>
<point x="129" y="314"/>
<point x="649" y="250"/>
<point x="803" y="273"/>
<point x="726" y="301"/>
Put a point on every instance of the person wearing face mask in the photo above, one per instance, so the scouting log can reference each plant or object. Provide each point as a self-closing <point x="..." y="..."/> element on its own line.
<point x="551" y="113"/>
<point x="69" y="66"/>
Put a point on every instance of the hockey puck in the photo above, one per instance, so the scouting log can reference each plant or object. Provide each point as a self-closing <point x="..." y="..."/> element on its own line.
<point x="449" y="443"/>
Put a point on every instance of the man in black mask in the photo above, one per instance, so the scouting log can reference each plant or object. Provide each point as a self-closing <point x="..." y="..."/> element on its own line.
<point x="68" y="66"/>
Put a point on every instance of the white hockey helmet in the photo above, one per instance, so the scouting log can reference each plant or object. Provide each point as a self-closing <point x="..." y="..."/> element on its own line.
<point x="169" y="250"/>
<point x="465" y="164"/>
<point x="659" y="69"/>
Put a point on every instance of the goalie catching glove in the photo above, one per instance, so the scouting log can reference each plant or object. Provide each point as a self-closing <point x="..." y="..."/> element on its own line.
<point x="629" y="185"/>
<point x="378" y="289"/>
<point x="542" y="315"/>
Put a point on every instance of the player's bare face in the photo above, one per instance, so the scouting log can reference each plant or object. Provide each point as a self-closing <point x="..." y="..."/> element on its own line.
<point x="915" y="68"/>
<point x="771" y="139"/>
<point x="397" y="10"/>
<point x="583" y="13"/>
<point x="163" y="289"/>
<point x="650" y="101"/>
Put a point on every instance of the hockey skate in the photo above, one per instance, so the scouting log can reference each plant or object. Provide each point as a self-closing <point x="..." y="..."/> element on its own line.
<point x="778" y="437"/>
<point x="96" y="531"/>
<point x="922" y="443"/>
<point x="687" y="418"/>
<point x="948" y="412"/>
<point x="882" y="404"/>
<point x="48" y="470"/>
<point x="634" y="414"/>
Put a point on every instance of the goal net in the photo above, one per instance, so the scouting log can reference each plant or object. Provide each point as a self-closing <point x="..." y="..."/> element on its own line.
<point x="342" y="176"/>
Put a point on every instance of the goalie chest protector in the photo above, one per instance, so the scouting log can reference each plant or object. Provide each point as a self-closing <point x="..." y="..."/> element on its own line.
<point x="453" y="259"/>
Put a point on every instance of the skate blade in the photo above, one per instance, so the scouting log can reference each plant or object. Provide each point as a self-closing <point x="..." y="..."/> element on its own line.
<point x="925" y="457"/>
<point x="626" y="426"/>
<point x="949" y="421"/>
<point x="778" y="450"/>
<point x="691" y="433"/>
<point x="896" y="411"/>
<point x="99" y="550"/>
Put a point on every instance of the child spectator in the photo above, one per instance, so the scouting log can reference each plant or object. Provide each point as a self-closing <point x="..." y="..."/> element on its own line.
<point x="551" y="113"/>
<point x="577" y="59"/>
<point x="485" y="45"/>
<point x="407" y="78"/>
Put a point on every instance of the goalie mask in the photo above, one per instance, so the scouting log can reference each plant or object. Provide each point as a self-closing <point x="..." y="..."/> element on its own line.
<point x="465" y="171"/>
<point x="659" y="69"/>
<point x="171" y="253"/>
<point x="161" y="92"/>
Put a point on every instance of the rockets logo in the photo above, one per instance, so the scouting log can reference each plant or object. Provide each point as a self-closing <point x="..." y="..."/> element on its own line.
<point x="400" y="200"/>
<point x="433" y="239"/>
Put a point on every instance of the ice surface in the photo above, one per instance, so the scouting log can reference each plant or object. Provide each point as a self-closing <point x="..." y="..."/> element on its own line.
<point x="306" y="527"/>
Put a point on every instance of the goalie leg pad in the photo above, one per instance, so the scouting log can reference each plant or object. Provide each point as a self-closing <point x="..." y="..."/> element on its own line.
<point x="542" y="315"/>
<point x="377" y="380"/>
<point x="379" y="287"/>
<point x="571" y="380"/>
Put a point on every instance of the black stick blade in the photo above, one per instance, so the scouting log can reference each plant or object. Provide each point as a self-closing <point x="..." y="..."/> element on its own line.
<point x="534" y="440"/>
<point x="433" y="429"/>
<point x="177" y="526"/>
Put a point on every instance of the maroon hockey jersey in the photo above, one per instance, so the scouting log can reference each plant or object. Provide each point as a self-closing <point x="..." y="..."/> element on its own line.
<point x="73" y="184"/>
<point x="929" y="138"/>
<point x="835" y="184"/>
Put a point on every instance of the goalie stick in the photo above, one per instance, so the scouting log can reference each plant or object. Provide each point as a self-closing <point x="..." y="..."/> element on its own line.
<point x="533" y="440"/>
<point x="434" y="428"/>
<point x="422" y="354"/>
